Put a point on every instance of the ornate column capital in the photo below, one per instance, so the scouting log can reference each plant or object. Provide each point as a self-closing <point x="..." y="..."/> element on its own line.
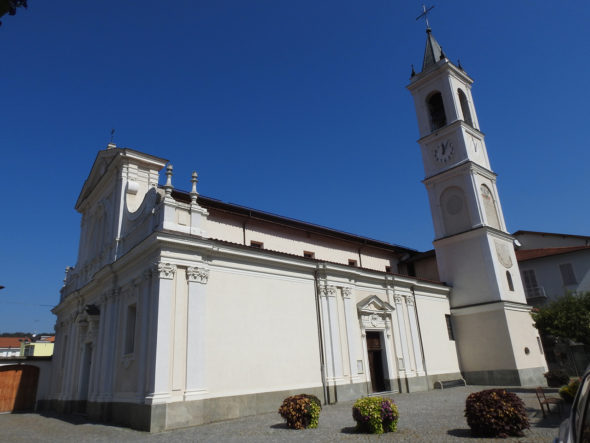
<point x="328" y="290"/>
<point x="409" y="300"/>
<point x="346" y="292"/>
<point x="165" y="270"/>
<point x="397" y="298"/>
<point x="198" y="275"/>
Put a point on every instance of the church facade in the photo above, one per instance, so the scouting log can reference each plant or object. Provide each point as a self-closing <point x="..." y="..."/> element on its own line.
<point x="183" y="309"/>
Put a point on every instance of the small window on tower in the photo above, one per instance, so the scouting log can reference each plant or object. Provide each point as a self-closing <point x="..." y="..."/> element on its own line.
<point x="351" y="262"/>
<point x="449" y="327"/>
<point x="436" y="109"/>
<point x="388" y="269"/>
<point x="256" y="244"/>
<point x="308" y="254"/>
<point x="465" y="107"/>
<point x="510" y="283"/>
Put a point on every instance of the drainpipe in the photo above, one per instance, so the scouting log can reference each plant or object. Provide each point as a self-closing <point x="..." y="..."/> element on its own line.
<point x="320" y="337"/>
<point x="360" y="259"/>
<point x="420" y="335"/>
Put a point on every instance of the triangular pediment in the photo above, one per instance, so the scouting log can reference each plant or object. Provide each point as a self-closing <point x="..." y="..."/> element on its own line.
<point x="374" y="304"/>
<point x="107" y="157"/>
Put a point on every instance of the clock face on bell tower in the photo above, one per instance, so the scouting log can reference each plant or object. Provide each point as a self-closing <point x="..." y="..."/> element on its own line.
<point x="443" y="151"/>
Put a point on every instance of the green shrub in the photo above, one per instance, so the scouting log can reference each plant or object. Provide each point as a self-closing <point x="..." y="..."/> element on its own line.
<point x="568" y="392"/>
<point x="375" y="415"/>
<point x="301" y="411"/>
<point x="557" y="378"/>
<point x="496" y="413"/>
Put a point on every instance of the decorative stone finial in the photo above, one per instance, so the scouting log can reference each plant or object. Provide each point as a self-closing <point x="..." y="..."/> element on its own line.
<point x="413" y="72"/>
<point x="194" y="193"/>
<point x="442" y="53"/>
<point x="168" y="186"/>
<point x="459" y="64"/>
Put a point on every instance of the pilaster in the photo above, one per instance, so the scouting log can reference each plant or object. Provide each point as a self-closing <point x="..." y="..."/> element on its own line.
<point x="197" y="278"/>
<point x="164" y="287"/>
<point x="410" y="302"/>
<point x="331" y="331"/>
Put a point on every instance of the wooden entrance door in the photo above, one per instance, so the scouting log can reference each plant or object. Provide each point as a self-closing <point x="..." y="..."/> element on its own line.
<point x="375" y="351"/>
<point x="18" y="387"/>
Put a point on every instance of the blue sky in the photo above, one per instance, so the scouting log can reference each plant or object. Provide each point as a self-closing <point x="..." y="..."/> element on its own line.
<point x="296" y="108"/>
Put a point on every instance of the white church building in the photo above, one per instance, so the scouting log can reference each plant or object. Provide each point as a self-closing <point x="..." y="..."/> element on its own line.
<point x="184" y="310"/>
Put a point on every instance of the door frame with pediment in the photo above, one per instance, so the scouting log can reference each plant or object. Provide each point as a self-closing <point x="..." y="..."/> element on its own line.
<point x="375" y="315"/>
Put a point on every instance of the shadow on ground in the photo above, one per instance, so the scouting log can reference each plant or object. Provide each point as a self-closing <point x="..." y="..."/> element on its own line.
<point x="78" y="419"/>
<point x="349" y="430"/>
<point x="461" y="433"/>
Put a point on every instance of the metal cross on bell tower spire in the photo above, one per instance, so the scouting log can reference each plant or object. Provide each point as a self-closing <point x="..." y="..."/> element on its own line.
<point x="424" y="14"/>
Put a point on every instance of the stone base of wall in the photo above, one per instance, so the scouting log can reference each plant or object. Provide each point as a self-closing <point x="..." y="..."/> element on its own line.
<point x="161" y="417"/>
<point x="507" y="377"/>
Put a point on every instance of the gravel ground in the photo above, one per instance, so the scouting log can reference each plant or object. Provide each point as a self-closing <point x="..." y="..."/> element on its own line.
<point x="424" y="416"/>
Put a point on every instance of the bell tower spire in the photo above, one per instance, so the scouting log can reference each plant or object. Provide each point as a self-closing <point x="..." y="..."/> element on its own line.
<point x="496" y="341"/>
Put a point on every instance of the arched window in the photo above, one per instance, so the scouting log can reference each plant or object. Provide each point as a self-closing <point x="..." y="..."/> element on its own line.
<point x="465" y="107"/>
<point x="436" y="109"/>
<point x="509" y="278"/>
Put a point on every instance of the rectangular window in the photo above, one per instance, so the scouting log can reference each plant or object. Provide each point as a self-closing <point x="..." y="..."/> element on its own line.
<point x="130" y="329"/>
<point x="256" y="244"/>
<point x="530" y="279"/>
<point x="449" y="327"/>
<point x="351" y="262"/>
<point x="308" y="254"/>
<point x="567" y="274"/>
<point x="387" y="268"/>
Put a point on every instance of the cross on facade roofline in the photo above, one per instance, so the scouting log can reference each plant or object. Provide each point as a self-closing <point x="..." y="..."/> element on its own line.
<point x="424" y="15"/>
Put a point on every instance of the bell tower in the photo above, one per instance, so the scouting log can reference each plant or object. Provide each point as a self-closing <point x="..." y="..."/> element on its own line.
<point x="494" y="332"/>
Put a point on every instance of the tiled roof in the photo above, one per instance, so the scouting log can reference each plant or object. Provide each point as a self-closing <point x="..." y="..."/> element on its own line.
<point x="11" y="342"/>
<point x="529" y="254"/>
<point x="551" y="234"/>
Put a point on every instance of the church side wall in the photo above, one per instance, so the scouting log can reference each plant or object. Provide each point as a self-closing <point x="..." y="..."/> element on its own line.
<point x="440" y="350"/>
<point x="292" y="241"/>
<point x="262" y="331"/>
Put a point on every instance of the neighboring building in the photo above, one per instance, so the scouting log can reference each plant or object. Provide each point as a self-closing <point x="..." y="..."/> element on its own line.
<point x="183" y="309"/>
<point x="42" y="347"/>
<point x="553" y="264"/>
<point x="11" y="346"/>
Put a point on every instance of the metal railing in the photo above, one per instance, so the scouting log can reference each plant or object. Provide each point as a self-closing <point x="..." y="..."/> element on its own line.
<point x="535" y="292"/>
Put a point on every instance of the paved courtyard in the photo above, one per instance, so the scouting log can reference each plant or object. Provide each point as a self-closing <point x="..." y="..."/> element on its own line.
<point x="426" y="416"/>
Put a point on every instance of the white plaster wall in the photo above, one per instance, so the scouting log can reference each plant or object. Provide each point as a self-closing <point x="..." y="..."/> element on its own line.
<point x="524" y="335"/>
<point x="440" y="352"/>
<point x="427" y="269"/>
<point x="262" y="333"/>
<point x="467" y="266"/>
<point x="223" y="226"/>
<point x="294" y="241"/>
<point x="483" y="341"/>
